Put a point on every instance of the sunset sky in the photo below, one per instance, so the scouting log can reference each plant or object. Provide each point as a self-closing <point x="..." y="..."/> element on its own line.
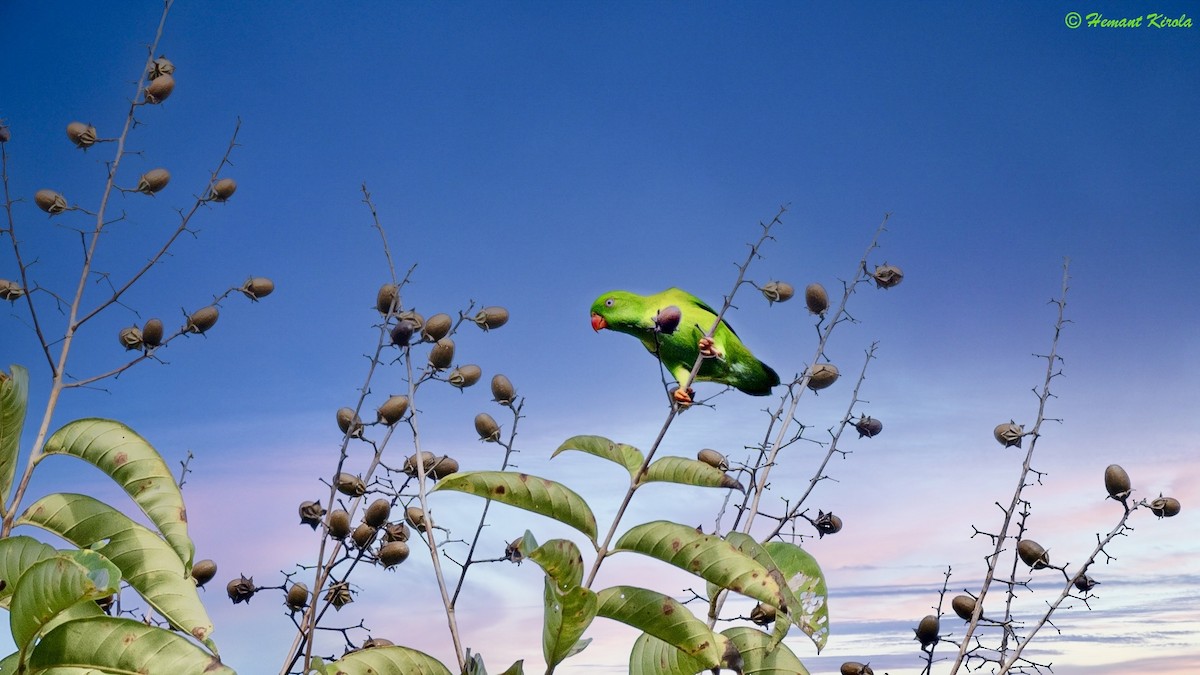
<point x="535" y="155"/>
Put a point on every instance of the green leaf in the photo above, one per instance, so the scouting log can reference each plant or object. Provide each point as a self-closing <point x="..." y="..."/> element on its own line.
<point x="386" y="661"/>
<point x="689" y="472"/>
<point x="568" y="615"/>
<point x="8" y="665"/>
<point x="118" y="646"/>
<point x="807" y="582"/>
<point x="150" y="566"/>
<point x="663" y="617"/>
<point x="562" y="562"/>
<point x="707" y="556"/>
<point x="18" y="554"/>
<point x="14" y="396"/>
<point x="626" y="455"/>
<point x="523" y="491"/>
<point x="50" y="586"/>
<point x="137" y="467"/>
<point x="517" y="668"/>
<point x="750" y="546"/>
<point x="652" y="656"/>
<point x="760" y="656"/>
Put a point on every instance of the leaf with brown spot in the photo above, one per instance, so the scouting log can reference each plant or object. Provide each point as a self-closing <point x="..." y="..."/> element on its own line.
<point x="545" y="497"/>
<point x="761" y="655"/>
<point x="107" y="644"/>
<point x="664" y="618"/>
<point x="385" y="661"/>
<point x="689" y="472"/>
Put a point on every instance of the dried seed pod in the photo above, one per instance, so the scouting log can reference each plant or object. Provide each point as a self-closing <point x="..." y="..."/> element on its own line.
<point x="338" y="524"/>
<point x="486" y="427"/>
<point x="50" y="201"/>
<point x="927" y="630"/>
<point x="153" y="181"/>
<point x="1165" y="507"/>
<point x="868" y="426"/>
<point x="392" y="409"/>
<point x="310" y="513"/>
<point x="371" y="643"/>
<point x="415" y="318"/>
<point x="393" y="553"/>
<point x="887" y="276"/>
<point x="377" y="513"/>
<point x="855" y="668"/>
<point x="816" y="298"/>
<point x="241" y="589"/>
<point x="349" y="422"/>
<point x="386" y="297"/>
<point x="763" y="615"/>
<point x="152" y="333"/>
<point x="203" y="571"/>
<point x="402" y="333"/>
<point x="202" y="319"/>
<point x="1033" y="554"/>
<point x="350" y="485"/>
<point x="397" y="531"/>
<point x="159" y="67"/>
<point x="257" y="288"/>
<point x="416" y="517"/>
<point x="827" y="523"/>
<point x="713" y="458"/>
<point x="363" y="535"/>
<point x="131" y="338"/>
<point x="491" y="317"/>
<point x="822" y="375"/>
<point x="5" y="134"/>
<point x="512" y="552"/>
<point x="1116" y="481"/>
<point x="777" y="291"/>
<point x="339" y="594"/>
<point x="10" y="290"/>
<point x="82" y="135"/>
<point x="106" y="603"/>
<point x="1085" y="583"/>
<point x="444" y="467"/>
<point x="437" y="327"/>
<point x="159" y="89"/>
<point x="427" y="461"/>
<point x="223" y="189"/>
<point x="297" y="597"/>
<point x="963" y="606"/>
<point x="1009" y="434"/>
<point x="502" y="390"/>
<point x="442" y="354"/>
<point x="465" y="376"/>
<point x="666" y="320"/>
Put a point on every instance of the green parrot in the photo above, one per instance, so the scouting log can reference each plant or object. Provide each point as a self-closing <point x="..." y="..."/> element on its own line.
<point x="671" y="325"/>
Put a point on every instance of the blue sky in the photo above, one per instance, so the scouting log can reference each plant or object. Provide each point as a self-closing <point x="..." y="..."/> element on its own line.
<point x="535" y="155"/>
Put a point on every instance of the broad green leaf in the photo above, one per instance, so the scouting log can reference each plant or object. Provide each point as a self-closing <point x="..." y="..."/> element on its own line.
<point x="546" y="497"/>
<point x="14" y="396"/>
<point x="137" y="467"/>
<point x="626" y="455"/>
<point x="18" y="554"/>
<point x="562" y="562"/>
<point x="146" y="562"/>
<point x="807" y="582"/>
<point x="707" y="556"/>
<point x="8" y="665"/>
<point x="517" y="668"/>
<point x="652" y="656"/>
<point x="759" y="657"/>
<point x="106" y="644"/>
<point x="663" y="617"/>
<point x="750" y="546"/>
<point x="50" y="586"/>
<point x="568" y="615"/>
<point x="386" y="661"/>
<point x="689" y="472"/>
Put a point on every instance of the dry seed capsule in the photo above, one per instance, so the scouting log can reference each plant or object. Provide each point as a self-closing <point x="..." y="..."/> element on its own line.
<point x="402" y="333"/>
<point x="50" y="201"/>
<point x="427" y="460"/>
<point x="486" y="427"/>
<point x="297" y="597"/>
<point x="443" y="467"/>
<point x="159" y="89"/>
<point x="392" y="409"/>
<point x="10" y="290"/>
<point x="927" y="630"/>
<point x="713" y="458"/>
<point x="465" y="376"/>
<point x="397" y="531"/>
<point x="666" y="320"/>
<point x="350" y="485"/>
<point x="153" y="181"/>
<point x="1009" y="434"/>
<point x="856" y="668"/>
<point x="203" y="571"/>
<point x="816" y="298"/>
<point x="491" y="317"/>
<point x="393" y="553"/>
<point x="159" y="67"/>
<point x="5" y="134"/>
<point x="223" y="189"/>
<point x="1085" y="583"/>
<point x="763" y="615"/>
<point x="887" y="276"/>
<point x="414" y="318"/>
<point x="152" y="333"/>
<point x="963" y="606"/>
<point x="437" y="327"/>
<point x="386" y="297"/>
<point x="257" y="288"/>
<point x="868" y="426"/>
<point x="241" y="589"/>
<point x="778" y="291"/>
<point x="442" y="354"/>
<point x="512" y="552"/>
<point x="502" y="390"/>
<point x="1033" y="554"/>
<point x="1116" y="481"/>
<point x="131" y="338"/>
<point x="416" y="517"/>
<point x="1165" y="507"/>
<point x="377" y="513"/>
<point x="363" y="535"/>
<point x="339" y="524"/>
<point x="822" y="375"/>
<point x="310" y="513"/>
<point x="827" y="523"/>
<point x="202" y="319"/>
<point x="339" y="594"/>
<point x="371" y="643"/>
<point x="82" y="135"/>
<point x="349" y="422"/>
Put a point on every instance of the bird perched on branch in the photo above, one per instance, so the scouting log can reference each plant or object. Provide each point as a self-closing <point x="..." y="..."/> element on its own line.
<point x="672" y="326"/>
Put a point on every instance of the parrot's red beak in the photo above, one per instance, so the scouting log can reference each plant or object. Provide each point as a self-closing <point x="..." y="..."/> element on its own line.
<point x="598" y="322"/>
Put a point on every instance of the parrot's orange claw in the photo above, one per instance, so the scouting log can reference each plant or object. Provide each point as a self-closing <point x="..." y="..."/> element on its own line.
<point x="707" y="349"/>
<point x="683" y="396"/>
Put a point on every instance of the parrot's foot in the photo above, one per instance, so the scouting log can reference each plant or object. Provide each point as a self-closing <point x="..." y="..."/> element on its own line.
<point x="683" y="396"/>
<point x="708" y="350"/>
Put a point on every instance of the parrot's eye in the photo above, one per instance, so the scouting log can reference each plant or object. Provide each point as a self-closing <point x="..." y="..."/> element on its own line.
<point x="609" y="302"/>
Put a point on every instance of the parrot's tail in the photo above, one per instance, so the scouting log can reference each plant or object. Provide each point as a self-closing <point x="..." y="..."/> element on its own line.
<point x="761" y="383"/>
